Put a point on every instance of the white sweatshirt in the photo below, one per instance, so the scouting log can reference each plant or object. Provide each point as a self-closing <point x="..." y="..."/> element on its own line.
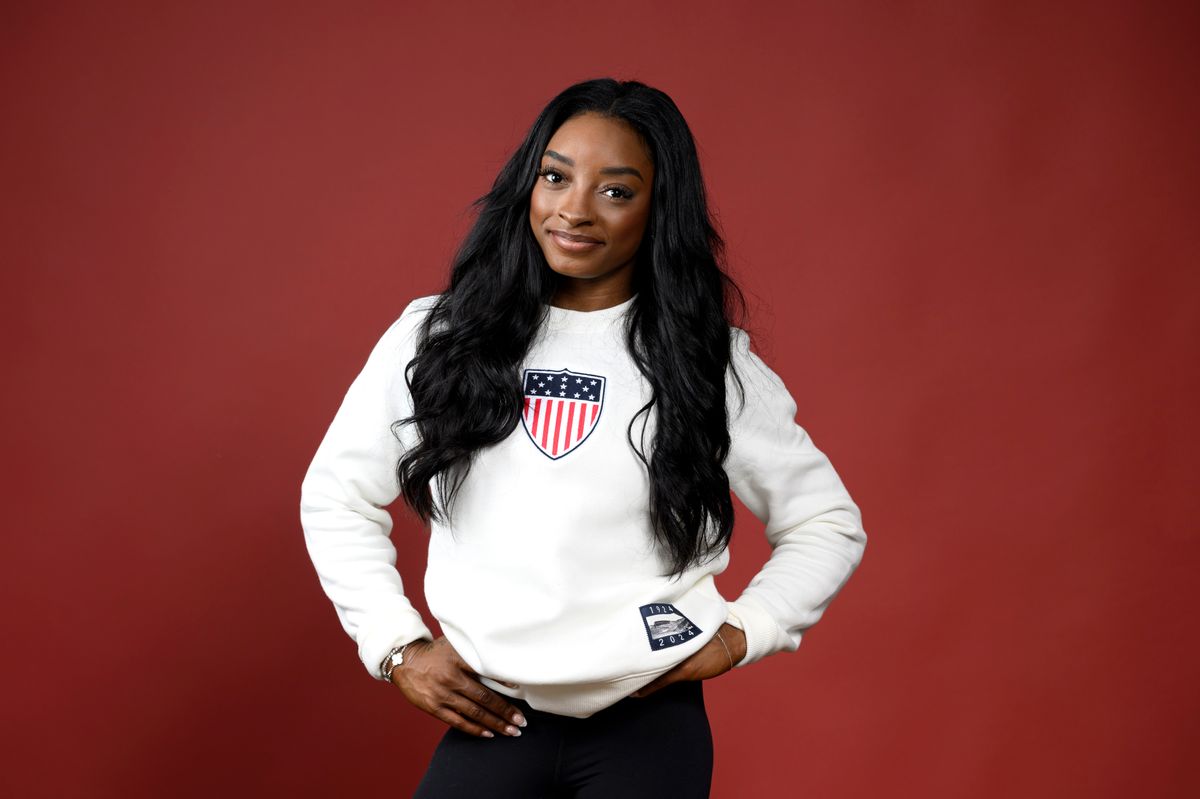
<point x="549" y="577"/>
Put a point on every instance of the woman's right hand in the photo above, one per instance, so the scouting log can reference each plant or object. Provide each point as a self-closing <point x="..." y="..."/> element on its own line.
<point x="438" y="681"/>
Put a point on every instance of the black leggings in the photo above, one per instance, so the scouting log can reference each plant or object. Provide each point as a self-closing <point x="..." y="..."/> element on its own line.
<point x="656" y="746"/>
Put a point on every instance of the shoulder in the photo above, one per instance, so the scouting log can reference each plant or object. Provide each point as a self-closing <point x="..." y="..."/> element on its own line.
<point x="757" y="392"/>
<point x="414" y="314"/>
<point x="415" y="311"/>
<point x="400" y="337"/>
<point x="422" y="303"/>
<point x="747" y="362"/>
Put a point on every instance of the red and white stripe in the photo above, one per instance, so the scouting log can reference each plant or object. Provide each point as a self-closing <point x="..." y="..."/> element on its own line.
<point x="557" y="425"/>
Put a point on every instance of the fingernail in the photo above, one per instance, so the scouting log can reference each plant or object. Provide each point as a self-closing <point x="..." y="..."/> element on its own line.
<point x="512" y="730"/>
<point x="488" y="734"/>
<point x="519" y="719"/>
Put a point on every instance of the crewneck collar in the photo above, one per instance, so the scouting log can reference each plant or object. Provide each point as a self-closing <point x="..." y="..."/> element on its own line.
<point x="565" y="319"/>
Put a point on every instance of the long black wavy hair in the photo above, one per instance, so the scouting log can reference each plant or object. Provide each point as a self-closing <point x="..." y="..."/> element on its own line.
<point x="465" y="378"/>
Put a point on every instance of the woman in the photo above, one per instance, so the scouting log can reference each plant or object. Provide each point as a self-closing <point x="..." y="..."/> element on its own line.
<point x="569" y="417"/>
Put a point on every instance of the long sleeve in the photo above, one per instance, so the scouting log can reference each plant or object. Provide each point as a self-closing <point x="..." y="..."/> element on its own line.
<point x="813" y="526"/>
<point x="344" y="494"/>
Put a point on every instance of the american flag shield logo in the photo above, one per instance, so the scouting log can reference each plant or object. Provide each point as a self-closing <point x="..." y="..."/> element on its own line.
<point x="561" y="408"/>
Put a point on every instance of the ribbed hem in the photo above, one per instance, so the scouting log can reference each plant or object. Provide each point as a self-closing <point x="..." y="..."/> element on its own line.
<point x="563" y="319"/>
<point x="763" y="636"/>
<point x="578" y="699"/>
<point x="375" y="644"/>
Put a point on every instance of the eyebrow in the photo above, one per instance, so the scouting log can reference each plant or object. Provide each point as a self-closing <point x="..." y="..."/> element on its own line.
<point x="608" y="170"/>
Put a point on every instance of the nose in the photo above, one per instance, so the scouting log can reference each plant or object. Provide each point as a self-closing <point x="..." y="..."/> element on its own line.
<point x="575" y="208"/>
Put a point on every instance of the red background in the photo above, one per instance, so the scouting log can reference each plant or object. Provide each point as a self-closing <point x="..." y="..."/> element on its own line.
<point x="970" y="234"/>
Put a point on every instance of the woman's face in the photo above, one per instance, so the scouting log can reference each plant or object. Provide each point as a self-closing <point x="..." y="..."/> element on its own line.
<point x="591" y="201"/>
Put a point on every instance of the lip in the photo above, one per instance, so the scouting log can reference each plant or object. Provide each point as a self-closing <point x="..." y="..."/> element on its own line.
<point x="572" y="243"/>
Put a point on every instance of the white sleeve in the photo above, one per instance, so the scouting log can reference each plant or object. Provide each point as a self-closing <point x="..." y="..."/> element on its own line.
<point x="351" y="479"/>
<point x="813" y="526"/>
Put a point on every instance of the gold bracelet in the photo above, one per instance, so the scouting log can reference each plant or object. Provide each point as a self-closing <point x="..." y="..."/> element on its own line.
<point x="727" y="652"/>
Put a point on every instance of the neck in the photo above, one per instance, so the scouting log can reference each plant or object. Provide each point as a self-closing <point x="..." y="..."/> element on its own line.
<point x="596" y="300"/>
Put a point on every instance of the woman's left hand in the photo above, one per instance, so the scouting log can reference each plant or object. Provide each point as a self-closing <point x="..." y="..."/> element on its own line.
<point x="707" y="661"/>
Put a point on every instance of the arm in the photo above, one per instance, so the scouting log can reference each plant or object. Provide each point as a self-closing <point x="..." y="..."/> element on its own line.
<point x="343" y="495"/>
<point x="813" y="526"/>
<point x="351" y="480"/>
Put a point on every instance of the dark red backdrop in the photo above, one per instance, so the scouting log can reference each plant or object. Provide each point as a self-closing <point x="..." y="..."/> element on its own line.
<point x="970" y="233"/>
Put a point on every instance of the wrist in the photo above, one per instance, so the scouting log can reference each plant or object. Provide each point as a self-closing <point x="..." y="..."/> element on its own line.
<point x="736" y="638"/>
<point x="397" y="657"/>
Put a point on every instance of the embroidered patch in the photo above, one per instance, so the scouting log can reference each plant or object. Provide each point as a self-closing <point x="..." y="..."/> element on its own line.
<point x="666" y="626"/>
<point x="561" y="408"/>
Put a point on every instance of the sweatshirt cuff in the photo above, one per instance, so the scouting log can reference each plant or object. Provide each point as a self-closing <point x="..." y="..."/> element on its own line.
<point x="375" y="643"/>
<point x="763" y="636"/>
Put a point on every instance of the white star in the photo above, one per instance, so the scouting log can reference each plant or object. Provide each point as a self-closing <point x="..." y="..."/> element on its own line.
<point x="576" y="395"/>
<point x="593" y="382"/>
<point x="591" y="396"/>
<point x="562" y="393"/>
<point x="547" y="391"/>
<point x="579" y="380"/>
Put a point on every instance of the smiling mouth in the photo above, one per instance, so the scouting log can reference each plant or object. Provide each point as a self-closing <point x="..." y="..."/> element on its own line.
<point x="573" y="243"/>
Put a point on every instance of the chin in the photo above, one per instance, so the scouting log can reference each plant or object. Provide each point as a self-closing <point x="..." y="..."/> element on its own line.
<point x="573" y="270"/>
<point x="568" y="265"/>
